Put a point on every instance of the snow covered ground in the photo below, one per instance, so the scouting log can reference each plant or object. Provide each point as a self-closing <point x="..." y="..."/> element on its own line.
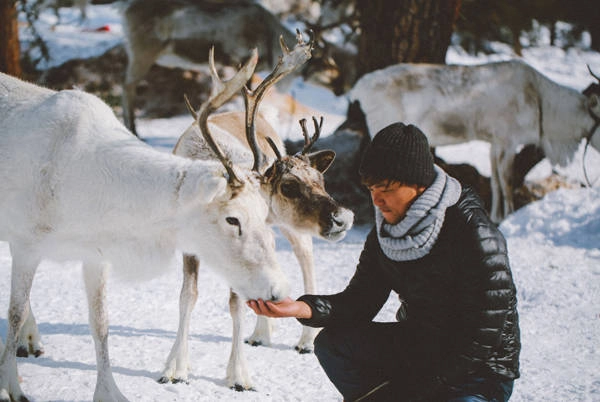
<point x="554" y="246"/>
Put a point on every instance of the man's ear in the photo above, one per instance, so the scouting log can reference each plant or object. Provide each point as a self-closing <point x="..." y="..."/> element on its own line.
<point x="321" y="160"/>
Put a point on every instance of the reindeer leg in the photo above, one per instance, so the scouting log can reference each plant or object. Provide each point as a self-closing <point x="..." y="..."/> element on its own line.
<point x="23" y="271"/>
<point x="95" y="285"/>
<point x="496" y="213"/>
<point x="302" y="246"/>
<point x="29" y="338"/>
<point x="140" y="57"/>
<point x="128" y="103"/>
<point x="237" y="373"/>
<point x="262" y="332"/>
<point x="303" y="249"/>
<point x="503" y="159"/>
<point x="507" y="163"/>
<point x="178" y="364"/>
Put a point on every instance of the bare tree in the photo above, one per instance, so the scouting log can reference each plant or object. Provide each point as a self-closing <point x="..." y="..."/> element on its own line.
<point x="404" y="31"/>
<point x="9" y="38"/>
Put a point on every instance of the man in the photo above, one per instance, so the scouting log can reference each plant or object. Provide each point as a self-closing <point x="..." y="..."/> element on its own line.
<point x="457" y="335"/>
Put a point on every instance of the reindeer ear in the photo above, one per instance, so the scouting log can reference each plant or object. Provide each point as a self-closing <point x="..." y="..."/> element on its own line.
<point x="270" y="173"/>
<point x="204" y="190"/>
<point x="593" y="102"/>
<point x="213" y="189"/>
<point x="321" y="160"/>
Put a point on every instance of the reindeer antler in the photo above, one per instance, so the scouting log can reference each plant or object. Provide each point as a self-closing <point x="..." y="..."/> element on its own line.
<point x="288" y="62"/>
<point x="591" y="72"/>
<point x="308" y="140"/>
<point x="221" y="92"/>
<point x="274" y="148"/>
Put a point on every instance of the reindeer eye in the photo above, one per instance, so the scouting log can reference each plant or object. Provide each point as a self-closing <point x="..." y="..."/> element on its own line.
<point x="290" y="189"/>
<point x="234" y="222"/>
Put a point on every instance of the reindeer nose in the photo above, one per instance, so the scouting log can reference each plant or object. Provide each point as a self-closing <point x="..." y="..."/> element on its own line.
<point x="276" y="295"/>
<point x="279" y="291"/>
<point x="336" y="220"/>
<point x="342" y="218"/>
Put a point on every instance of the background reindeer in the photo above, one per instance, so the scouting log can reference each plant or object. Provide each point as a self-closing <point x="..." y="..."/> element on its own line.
<point x="294" y="189"/>
<point x="76" y="185"/>
<point x="180" y="33"/>
<point x="508" y="104"/>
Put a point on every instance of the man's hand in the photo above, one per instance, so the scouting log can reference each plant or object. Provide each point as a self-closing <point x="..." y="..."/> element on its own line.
<point x="283" y="308"/>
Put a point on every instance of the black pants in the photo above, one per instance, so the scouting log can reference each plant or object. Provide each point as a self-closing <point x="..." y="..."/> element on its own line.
<point x="358" y="359"/>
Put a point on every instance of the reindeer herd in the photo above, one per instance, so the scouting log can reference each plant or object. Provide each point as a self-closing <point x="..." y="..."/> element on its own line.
<point x="77" y="185"/>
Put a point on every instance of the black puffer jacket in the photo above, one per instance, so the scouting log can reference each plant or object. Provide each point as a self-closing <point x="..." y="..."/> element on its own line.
<point x="459" y="301"/>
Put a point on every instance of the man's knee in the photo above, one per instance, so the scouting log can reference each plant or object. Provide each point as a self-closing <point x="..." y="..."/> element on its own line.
<point x="323" y="343"/>
<point x="343" y="342"/>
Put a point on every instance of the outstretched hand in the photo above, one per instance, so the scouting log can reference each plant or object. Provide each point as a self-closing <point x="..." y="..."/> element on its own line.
<point x="280" y="309"/>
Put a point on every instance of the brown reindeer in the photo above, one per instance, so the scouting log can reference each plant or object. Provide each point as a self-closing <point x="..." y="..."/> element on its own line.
<point x="292" y="185"/>
<point x="179" y="33"/>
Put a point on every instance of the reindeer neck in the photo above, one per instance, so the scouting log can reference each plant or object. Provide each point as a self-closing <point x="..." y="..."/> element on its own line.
<point x="133" y="184"/>
<point x="564" y="120"/>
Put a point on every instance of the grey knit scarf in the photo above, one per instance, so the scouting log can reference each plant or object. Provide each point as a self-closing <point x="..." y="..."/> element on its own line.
<point x="414" y="236"/>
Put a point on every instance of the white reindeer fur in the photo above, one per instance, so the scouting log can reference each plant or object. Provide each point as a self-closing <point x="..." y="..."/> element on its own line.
<point x="76" y="185"/>
<point x="91" y="202"/>
<point x="508" y="104"/>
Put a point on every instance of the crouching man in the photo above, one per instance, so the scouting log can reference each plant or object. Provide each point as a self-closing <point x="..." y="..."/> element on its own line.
<point x="457" y="332"/>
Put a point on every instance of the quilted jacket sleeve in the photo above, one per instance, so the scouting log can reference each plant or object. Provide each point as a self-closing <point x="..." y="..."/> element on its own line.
<point x="362" y="299"/>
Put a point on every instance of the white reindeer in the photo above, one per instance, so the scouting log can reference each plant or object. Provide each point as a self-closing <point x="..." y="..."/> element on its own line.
<point x="76" y="185"/>
<point x="508" y="104"/>
<point x="293" y="186"/>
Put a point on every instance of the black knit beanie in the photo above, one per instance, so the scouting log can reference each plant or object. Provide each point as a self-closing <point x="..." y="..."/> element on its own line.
<point x="399" y="152"/>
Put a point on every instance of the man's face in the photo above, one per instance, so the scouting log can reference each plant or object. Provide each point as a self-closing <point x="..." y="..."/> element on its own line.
<point x="393" y="198"/>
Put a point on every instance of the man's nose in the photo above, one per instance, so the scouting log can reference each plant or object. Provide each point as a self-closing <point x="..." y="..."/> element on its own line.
<point x="377" y="199"/>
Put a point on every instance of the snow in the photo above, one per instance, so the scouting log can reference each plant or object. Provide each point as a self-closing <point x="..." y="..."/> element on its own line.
<point x="554" y="247"/>
<point x="74" y="38"/>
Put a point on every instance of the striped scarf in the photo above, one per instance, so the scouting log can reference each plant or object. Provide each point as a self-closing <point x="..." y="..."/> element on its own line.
<point x="414" y="236"/>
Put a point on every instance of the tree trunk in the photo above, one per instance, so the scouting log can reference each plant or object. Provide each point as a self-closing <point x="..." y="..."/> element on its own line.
<point x="9" y="38"/>
<point x="553" y="28"/>
<point x="404" y="31"/>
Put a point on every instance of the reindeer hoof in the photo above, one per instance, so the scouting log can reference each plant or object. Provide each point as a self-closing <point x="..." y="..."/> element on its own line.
<point x="241" y="388"/>
<point x="254" y="343"/>
<point x="167" y="380"/>
<point x="22" y="351"/>
<point x="3" y="398"/>
<point x="304" y="350"/>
